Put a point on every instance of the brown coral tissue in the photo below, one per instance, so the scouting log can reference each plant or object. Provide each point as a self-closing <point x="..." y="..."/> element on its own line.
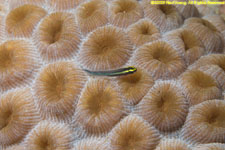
<point x="133" y="133"/>
<point x="172" y="144"/>
<point x="18" y="115"/>
<point x="186" y="43"/>
<point x="199" y="86"/>
<point x="21" y="21"/>
<point x="160" y="59"/>
<point x="18" y="63"/>
<point x="57" y="37"/>
<point x="206" y="123"/>
<point x="166" y="17"/>
<point x="57" y="88"/>
<point x="211" y="38"/>
<point x="142" y="32"/>
<point x="135" y="86"/>
<point x="123" y="13"/>
<point x="99" y="108"/>
<point x="60" y="5"/>
<point x="165" y="106"/>
<point x="49" y="136"/>
<point x="211" y="146"/>
<point x="92" y="14"/>
<point x="214" y="65"/>
<point x="107" y="47"/>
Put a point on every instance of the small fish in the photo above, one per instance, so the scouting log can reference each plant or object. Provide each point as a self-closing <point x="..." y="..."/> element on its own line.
<point x="117" y="72"/>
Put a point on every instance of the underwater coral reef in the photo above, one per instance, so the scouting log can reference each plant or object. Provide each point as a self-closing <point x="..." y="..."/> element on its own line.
<point x="65" y="83"/>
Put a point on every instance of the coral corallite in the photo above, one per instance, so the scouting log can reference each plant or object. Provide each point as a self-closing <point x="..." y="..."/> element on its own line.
<point x="186" y="43"/>
<point x="160" y="59"/>
<point x="49" y="136"/>
<point x="213" y="64"/>
<point x="172" y="144"/>
<point x="91" y="14"/>
<point x="18" y="115"/>
<point x="18" y="63"/>
<point x="211" y="38"/>
<point x="166" y="17"/>
<point x="123" y="13"/>
<point x="142" y="32"/>
<point x="99" y="108"/>
<point x="134" y="86"/>
<point x="57" y="88"/>
<point x="107" y="47"/>
<point x="57" y="37"/>
<point x="21" y="21"/>
<point x="133" y="133"/>
<point x="199" y="86"/>
<point x="165" y="106"/>
<point x="205" y="123"/>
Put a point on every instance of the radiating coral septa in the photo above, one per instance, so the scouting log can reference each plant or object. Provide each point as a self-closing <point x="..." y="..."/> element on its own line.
<point x="133" y="133"/>
<point x="164" y="106"/>
<point x="57" y="37"/>
<point x="21" y="21"/>
<point x="91" y="15"/>
<point x="160" y="59"/>
<point x="143" y="31"/>
<point x="99" y="108"/>
<point x="18" y="115"/>
<point x="135" y="86"/>
<point x="172" y="144"/>
<point x="57" y="89"/>
<point x="205" y="123"/>
<point x="124" y="13"/>
<point x="105" y="48"/>
<point x="19" y="62"/>
<point x="91" y="143"/>
<point x="49" y="135"/>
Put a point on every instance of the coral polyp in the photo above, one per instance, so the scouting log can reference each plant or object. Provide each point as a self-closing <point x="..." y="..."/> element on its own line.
<point x="214" y="65"/>
<point x="92" y="14"/>
<point x="142" y="32"/>
<point x="21" y="21"/>
<point x="160" y="59"/>
<point x="135" y="86"/>
<point x="165" y="106"/>
<point x="166" y="17"/>
<point x="187" y="43"/>
<point x="211" y="38"/>
<point x="18" y="115"/>
<point x="106" y="48"/>
<point x="206" y="123"/>
<point x="57" y="88"/>
<point x="57" y="37"/>
<point x="199" y="86"/>
<point x="122" y="13"/>
<point x="18" y="63"/>
<point x="133" y="133"/>
<point x="99" y="108"/>
<point x="50" y="136"/>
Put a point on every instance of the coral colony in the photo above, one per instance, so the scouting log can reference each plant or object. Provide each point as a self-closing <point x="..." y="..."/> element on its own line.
<point x="53" y="98"/>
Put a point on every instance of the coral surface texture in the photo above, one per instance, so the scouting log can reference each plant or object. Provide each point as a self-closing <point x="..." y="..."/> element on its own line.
<point x="111" y="75"/>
